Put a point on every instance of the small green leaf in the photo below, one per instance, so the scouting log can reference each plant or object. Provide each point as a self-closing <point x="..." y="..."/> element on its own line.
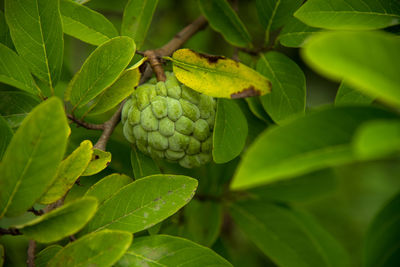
<point x="100" y="160"/>
<point x="117" y="92"/>
<point x="381" y="245"/>
<point x="35" y="27"/>
<point x="68" y="172"/>
<point x="45" y="255"/>
<point x="288" y="237"/>
<point x="230" y="132"/>
<point x="143" y="203"/>
<point x="5" y="37"/>
<point x="377" y="139"/>
<point x="99" y="249"/>
<point x="61" y="222"/>
<point x="142" y="165"/>
<point x="15" y="106"/>
<point x="100" y="70"/>
<point x="218" y="76"/>
<point x="169" y="251"/>
<point x="318" y="140"/>
<point x="347" y="55"/>
<point x="295" y="33"/>
<point x="137" y="18"/>
<point x="5" y="136"/>
<point x="26" y="173"/>
<point x="349" y="14"/>
<point x="346" y="95"/>
<point x="108" y="186"/>
<point x="13" y="71"/>
<point x="223" y="19"/>
<point x="85" y="24"/>
<point x="288" y="97"/>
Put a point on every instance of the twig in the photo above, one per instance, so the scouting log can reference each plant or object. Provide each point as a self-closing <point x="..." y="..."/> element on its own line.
<point x="31" y="253"/>
<point x="36" y="212"/>
<point x="156" y="65"/>
<point x="9" y="231"/>
<point x="84" y="124"/>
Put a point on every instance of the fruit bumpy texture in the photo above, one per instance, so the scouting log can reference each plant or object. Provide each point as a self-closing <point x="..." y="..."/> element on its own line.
<point x="168" y="120"/>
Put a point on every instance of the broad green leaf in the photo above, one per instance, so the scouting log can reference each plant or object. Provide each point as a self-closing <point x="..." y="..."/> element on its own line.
<point x="15" y="106"/>
<point x="223" y="19"/>
<point x="318" y="140"/>
<point x="288" y="96"/>
<point x="68" y="172"/>
<point x="346" y="95"/>
<point x="257" y="108"/>
<point x="218" y="76"/>
<point x="5" y="37"/>
<point x="85" y="24"/>
<point x="349" y="14"/>
<point x="142" y="165"/>
<point x="230" y="132"/>
<point x="99" y="249"/>
<point x="295" y="33"/>
<point x="143" y="203"/>
<point x="61" y="222"/>
<point x="35" y="27"/>
<point x="100" y="70"/>
<point x="347" y="55"/>
<point x="13" y="71"/>
<point x="30" y="162"/>
<point x="100" y="160"/>
<point x="381" y="245"/>
<point x="117" y="92"/>
<point x="377" y="139"/>
<point x="302" y="188"/>
<point x="275" y="14"/>
<point x="108" y="186"/>
<point x="45" y="255"/>
<point x="5" y="136"/>
<point x="169" y="251"/>
<point x="288" y="237"/>
<point x="137" y="18"/>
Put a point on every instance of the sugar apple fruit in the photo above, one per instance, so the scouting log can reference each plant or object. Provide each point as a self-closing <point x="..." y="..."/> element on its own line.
<point x="168" y="120"/>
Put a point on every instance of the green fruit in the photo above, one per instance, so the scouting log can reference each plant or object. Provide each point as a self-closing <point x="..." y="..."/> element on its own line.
<point x="169" y="120"/>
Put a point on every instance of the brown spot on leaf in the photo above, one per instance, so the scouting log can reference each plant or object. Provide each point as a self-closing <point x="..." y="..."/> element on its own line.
<point x="210" y="58"/>
<point x="96" y="157"/>
<point x="247" y="92"/>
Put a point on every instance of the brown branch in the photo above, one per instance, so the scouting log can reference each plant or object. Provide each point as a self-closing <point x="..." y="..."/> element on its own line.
<point x="84" y="124"/>
<point x="156" y="65"/>
<point x="31" y="253"/>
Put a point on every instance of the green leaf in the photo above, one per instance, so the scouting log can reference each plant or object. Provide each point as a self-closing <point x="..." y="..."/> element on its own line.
<point x="26" y="173"/>
<point x="257" y="108"/>
<point x="13" y="71"/>
<point x="99" y="249"/>
<point x="108" y="186"/>
<point x="169" y="251"/>
<point x="85" y="24"/>
<point x="288" y="237"/>
<point x="223" y="19"/>
<point x="1" y="255"/>
<point x="5" y="37"/>
<point x="36" y="30"/>
<point x="143" y="203"/>
<point x="5" y="136"/>
<point x="346" y="95"/>
<point x="117" y="92"/>
<point x="295" y="33"/>
<point x="142" y="165"/>
<point x="68" y="172"/>
<point x="318" y="140"/>
<point x="302" y="188"/>
<point x="218" y="76"/>
<point x="45" y="255"/>
<point x="377" y="139"/>
<point x="275" y="14"/>
<point x="61" y="222"/>
<point x="381" y="245"/>
<point x="347" y="55"/>
<point x="349" y="14"/>
<point x="15" y="106"/>
<point x="288" y="97"/>
<point x="100" y="70"/>
<point x="137" y="18"/>
<point x="230" y="132"/>
<point x="100" y="160"/>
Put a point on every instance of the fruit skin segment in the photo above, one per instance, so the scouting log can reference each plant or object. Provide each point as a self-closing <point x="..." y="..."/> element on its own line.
<point x="168" y="120"/>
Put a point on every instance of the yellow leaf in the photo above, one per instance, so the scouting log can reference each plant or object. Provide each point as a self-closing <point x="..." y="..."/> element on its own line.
<point x="218" y="76"/>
